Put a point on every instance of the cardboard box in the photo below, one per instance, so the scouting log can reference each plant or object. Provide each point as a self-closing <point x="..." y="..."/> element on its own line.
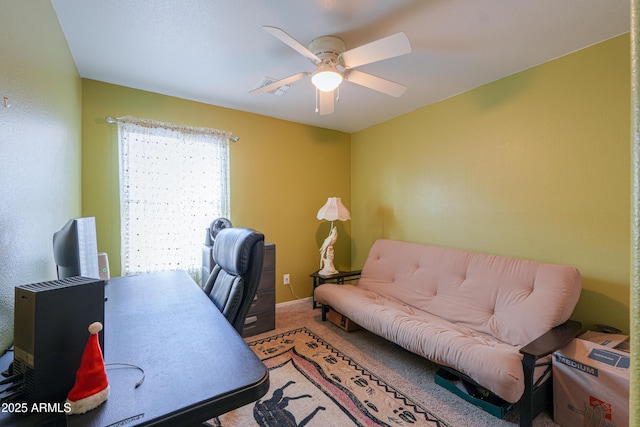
<point x="591" y="385"/>
<point x="342" y="321"/>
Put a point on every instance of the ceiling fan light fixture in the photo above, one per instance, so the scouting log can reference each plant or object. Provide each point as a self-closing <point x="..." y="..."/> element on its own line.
<point x="326" y="78"/>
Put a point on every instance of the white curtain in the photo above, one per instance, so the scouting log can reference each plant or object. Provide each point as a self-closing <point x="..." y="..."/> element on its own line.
<point x="174" y="180"/>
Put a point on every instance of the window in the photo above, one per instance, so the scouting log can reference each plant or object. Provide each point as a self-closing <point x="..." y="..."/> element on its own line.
<point x="174" y="181"/>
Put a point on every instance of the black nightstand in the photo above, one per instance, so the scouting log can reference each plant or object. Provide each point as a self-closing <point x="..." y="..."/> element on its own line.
<point x="339" y="278"/>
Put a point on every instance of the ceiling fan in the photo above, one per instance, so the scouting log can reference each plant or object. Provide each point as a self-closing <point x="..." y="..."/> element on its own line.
<point x="334" y="64"/>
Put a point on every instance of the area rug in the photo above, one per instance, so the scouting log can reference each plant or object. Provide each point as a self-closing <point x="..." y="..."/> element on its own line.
<point x="314" y="384"/>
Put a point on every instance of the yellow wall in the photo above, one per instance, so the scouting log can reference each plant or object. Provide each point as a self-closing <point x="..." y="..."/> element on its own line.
<point x="39" y="147"/>
<point x="535" y="165"/>
<point x="281" y="174"/>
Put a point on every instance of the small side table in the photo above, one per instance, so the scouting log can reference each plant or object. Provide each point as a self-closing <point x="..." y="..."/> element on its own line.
<point x="339" y="278"/>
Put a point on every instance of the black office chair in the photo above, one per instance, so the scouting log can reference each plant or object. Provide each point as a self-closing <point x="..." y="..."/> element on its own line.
<point x="238" y="254"/>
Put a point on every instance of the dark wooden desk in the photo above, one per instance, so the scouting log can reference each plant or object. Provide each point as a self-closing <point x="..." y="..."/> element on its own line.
<point x="196" y="365"/>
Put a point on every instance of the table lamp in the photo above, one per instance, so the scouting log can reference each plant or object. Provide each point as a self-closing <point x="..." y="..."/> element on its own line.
<point x="331" y="211"/>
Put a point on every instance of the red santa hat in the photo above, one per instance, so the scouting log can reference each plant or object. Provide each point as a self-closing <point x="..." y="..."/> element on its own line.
<point x="92" y="387"/>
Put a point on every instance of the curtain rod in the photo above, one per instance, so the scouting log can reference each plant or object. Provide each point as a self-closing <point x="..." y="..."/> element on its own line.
<point x="110" y="119"/>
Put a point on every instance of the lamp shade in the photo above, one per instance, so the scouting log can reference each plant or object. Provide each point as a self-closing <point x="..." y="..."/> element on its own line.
<point x="334" y="210"/>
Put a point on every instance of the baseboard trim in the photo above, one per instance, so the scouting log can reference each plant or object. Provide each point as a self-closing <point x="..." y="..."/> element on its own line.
<point x="295" y="301"/>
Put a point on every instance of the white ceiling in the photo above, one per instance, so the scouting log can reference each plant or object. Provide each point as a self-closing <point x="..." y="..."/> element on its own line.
<point x="215" y="51"/>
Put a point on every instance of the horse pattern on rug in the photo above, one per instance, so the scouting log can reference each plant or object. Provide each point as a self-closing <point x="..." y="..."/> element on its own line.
<point x="273" y="409"/>
<point x="313" y="384"/>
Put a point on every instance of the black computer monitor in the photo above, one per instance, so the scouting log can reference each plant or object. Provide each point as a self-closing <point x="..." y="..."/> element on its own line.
<point x="75" y="249"/>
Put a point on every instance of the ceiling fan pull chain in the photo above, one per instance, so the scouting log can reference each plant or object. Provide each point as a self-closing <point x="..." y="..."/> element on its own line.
<point x="316" y="100"/>
<point x="338" y="94"/>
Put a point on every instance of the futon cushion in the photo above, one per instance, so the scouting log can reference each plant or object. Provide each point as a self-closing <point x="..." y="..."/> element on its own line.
<point x="511" y="299"/>
<point x="494" y="364"/>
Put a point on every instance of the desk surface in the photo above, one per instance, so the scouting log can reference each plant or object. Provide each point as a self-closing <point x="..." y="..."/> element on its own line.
<point x="196" y="366"/>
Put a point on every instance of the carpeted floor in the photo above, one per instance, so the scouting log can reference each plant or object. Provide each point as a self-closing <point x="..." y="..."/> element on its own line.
<point x="411" y="374"/>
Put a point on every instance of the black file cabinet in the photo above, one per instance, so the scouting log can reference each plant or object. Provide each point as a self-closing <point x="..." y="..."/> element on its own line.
<point x="262" y="313"/>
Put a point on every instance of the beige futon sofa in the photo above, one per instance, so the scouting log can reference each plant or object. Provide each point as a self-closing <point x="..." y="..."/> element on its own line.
<point x="492" y="320"/>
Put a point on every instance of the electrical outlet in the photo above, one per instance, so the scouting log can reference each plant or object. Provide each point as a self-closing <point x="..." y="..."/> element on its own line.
<point x="286" y="279"/>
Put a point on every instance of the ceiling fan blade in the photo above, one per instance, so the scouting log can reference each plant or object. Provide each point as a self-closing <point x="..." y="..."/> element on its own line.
<point x="388" y="47"/>
<point x="326" y="102"/>
<point x="376" y="83"/>
<point x="275" y="85"/>
<point x="292" y="43"/>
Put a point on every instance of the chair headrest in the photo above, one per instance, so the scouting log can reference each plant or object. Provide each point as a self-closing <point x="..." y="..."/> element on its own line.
<point x="233" y="247"/>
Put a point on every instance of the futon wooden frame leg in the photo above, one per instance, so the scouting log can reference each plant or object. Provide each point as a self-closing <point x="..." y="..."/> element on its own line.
<point x="325" y="310"/>
<point x="538" y="396"/>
